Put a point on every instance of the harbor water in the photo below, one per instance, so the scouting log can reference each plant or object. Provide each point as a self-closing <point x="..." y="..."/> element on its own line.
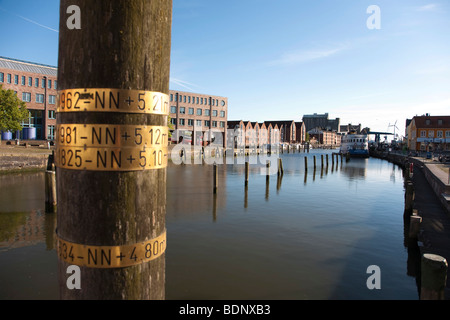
<point x="306" y="234"/>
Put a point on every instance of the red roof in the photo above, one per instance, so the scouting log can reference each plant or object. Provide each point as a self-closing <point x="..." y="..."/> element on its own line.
<point x="432" y="121"/>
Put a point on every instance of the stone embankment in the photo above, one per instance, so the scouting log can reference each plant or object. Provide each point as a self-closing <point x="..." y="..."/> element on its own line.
<point x="23" y="158"/>
<point x="436" y="173"/>
<point x="431" y="206"/>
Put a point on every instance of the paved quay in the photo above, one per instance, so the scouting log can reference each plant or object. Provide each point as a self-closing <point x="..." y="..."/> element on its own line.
<point x="435" y="227"/>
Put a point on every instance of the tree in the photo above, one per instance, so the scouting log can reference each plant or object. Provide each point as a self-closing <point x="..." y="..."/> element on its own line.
<point x="12" y="111"/>
<point x="170" y="125"/>
<point x="307" y="137"/>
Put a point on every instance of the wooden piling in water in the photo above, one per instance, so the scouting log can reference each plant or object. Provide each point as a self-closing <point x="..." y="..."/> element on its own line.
<point x="314" y="159"/>
<point x="246" y="172"/>
<point x="433" y="277"/>
<point x="414" y="226"/>
<point x="321" y="158"/>
<point x="306" y="163"/>
<point x="50" y="191"/>
<point x="113" y="214"/>
<point x="280" y="166"/>
<point x="215" y="178"/>
<point x="409" y="197"/>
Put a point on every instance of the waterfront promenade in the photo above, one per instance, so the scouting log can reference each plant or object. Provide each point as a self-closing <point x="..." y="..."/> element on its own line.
<point x="431" y="200"/>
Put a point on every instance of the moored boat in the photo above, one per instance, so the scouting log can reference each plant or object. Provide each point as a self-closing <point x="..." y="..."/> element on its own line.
<point x="355" y="144"/>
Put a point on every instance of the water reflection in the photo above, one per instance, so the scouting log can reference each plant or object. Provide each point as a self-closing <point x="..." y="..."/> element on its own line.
<point x="23" y="219"/>
<point x="27" y="239"/>
<point x="319" y="236"/>
<point x="287" y="236"/>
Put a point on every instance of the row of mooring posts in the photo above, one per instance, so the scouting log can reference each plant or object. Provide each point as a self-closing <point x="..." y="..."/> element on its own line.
<point x="433" y="267"/>
<point x="280" y="172"/>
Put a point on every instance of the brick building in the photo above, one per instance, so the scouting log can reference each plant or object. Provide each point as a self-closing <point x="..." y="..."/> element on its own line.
<point x="36" y="85"/>
<point x="429" y="133"/>
<point x="193" y="114"/>
<point x="300" y="132"/>
<point x="286" y="128"/>
<point x="325" y="137"/>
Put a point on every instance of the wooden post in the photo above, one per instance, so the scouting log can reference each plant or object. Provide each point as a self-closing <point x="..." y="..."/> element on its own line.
<point x="321" y="157"/>
<point x="50" y="191"/>
<point x="314" y="162"/>
<point x="433" y="277"/>
<point x="327" y="159"/>
<point x="215" y="178"/>
<point x="113" y="82"/>
<point x="246" y="172"/>
<point x="246" y="197"/>
<point x="409" y="197"/>
<point x="306" y="163"/>
<point x="414" y="226"/>
<point x="280" y="167"/>
<point x="267" y="179"/>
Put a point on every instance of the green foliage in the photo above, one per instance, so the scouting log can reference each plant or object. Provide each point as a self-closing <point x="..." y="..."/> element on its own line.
<point x="12" y="111"/>
<point x="170" y="125"/>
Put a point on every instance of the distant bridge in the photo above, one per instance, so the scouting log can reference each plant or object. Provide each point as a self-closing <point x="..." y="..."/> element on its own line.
<point x="378" y="135"/>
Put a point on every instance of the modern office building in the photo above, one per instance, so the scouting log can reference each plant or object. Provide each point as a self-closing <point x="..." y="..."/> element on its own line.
<point x="36" y="85"/>
<point x="194" y="114"/>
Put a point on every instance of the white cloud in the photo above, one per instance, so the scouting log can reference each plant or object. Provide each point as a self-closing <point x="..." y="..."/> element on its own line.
<point x="428" y="7"/>
<point x="31" y="21"/>
<point x="298" y="57"/>
<point x="183" y="84"/>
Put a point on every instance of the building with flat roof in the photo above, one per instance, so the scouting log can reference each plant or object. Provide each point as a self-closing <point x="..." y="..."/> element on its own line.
<point x="325" y="137"/>
<point x="351" y="127"/>
<point x="36" y="84"/>
<point x="321" y="121"/>
<point x="194" y="114"/>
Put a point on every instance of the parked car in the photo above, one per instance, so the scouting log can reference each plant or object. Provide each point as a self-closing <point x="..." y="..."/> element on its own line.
<point x="444" y="158"/>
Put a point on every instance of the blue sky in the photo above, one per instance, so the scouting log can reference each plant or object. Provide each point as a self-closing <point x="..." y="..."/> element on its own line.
<point x="279" y="60"/>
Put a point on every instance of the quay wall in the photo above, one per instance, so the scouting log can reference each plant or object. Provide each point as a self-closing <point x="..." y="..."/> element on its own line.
<point x="29" y="155"/>
<point x="441" y="189"/>
<point x="20" y="162"/>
